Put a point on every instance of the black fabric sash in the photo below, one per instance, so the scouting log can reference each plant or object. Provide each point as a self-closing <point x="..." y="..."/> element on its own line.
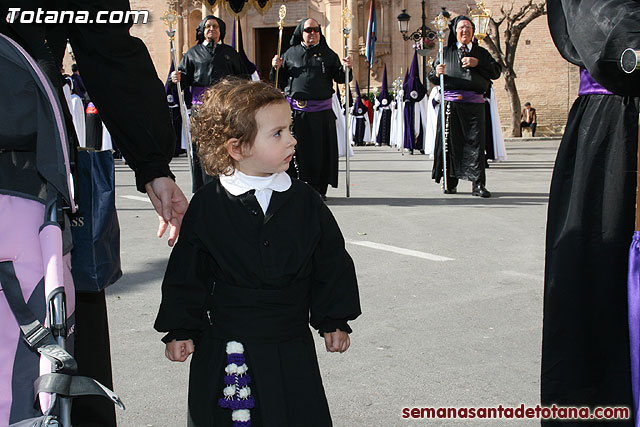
<point x="261" y="315"/>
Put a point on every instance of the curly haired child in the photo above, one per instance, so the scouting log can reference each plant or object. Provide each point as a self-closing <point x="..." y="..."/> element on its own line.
<point x="259" y="259"/>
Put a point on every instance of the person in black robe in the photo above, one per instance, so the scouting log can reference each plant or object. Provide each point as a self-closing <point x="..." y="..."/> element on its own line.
<point x="269" y="263"/>
<point x="468" y="69"/>
<point x="118" y="72"/>
<point x="383" y="132"/>
<point x="359" y="111"/>
<point x="585" y="342"/>
<point x="202" y="66"/>
<point x="307" y="72"/>
<point x="173" y="101"/>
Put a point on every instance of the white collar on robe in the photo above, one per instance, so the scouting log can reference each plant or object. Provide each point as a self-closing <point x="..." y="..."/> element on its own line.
<point x="469" y="46"/>
<point x="239" y="183"/>
<point x="206" y="42"/>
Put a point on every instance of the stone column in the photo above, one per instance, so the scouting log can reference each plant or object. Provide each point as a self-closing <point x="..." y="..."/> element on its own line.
<point x="354" y="49"/>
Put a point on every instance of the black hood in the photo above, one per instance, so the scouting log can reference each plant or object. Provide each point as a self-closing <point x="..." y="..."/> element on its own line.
<point x="453" y="38"/>
<point x="296" y="38"/>
<point x="200" y="29"/>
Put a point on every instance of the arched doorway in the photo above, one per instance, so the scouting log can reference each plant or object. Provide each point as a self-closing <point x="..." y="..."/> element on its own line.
<point x="266" y="45"/>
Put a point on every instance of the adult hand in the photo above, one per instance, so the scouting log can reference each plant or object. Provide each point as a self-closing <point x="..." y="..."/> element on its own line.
<point x="440" y="68"/>
<point x="178" y="351"/>
<point x="337" y="341"/>
<point x="170" y="204"/>
<point x="346" y="62"/>
<point x="276" y="62"/>
<point x="175" y="76"/>
<point x="469" y="62"/>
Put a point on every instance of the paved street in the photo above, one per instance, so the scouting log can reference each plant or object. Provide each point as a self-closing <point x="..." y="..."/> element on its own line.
<point x="450" y="285"/>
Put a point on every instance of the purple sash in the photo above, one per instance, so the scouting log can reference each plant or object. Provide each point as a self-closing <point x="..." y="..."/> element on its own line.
<point x="311" y="105"/>
<point x="588" y="86"/>
<point x="633" y="298"/>
<point x="196" y="94"/>
<point x="464" y="96"/>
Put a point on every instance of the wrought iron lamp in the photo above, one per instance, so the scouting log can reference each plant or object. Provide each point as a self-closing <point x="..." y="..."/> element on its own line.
<point x="480" y="16"/>
<point x="418" y="36"/>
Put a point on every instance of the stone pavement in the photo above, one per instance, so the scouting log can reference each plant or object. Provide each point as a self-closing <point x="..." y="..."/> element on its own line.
<point x="450" y="286"/>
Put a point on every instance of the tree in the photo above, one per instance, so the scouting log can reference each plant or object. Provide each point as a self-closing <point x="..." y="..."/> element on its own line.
<point x="515" y="23"/>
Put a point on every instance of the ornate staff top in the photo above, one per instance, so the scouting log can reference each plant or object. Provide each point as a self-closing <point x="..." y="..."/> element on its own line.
<point x="170" y="18"/>
<point x="282" y="13"/>
<point x="347" y="17"/>
<point x="441" y="22"/>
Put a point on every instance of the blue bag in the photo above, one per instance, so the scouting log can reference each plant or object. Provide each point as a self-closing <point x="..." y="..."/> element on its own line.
<point x="95" y="258"/>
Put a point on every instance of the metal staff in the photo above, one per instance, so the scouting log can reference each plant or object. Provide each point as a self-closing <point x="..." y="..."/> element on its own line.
<point x="281" y="13"/>
<point x="441" y="23"/>
<point x="170" y="19"/>
<point x="347" y="16"/>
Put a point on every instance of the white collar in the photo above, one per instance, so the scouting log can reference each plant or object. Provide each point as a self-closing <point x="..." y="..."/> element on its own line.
<point x="469" y="46"/>
<point x="239" y="183"/>
<point x="206" y="42"/>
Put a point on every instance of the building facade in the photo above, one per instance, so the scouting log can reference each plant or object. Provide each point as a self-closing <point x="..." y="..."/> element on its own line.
<point x="544" y="78"/>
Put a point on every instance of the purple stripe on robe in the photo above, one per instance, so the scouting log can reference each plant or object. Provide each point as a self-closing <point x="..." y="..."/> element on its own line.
<point x="311" y="105"/>
<point x="633" y="298"/>
<point x="588" y="86"/>
<point x="196" y="94"/>
<point x="464" y="96"/>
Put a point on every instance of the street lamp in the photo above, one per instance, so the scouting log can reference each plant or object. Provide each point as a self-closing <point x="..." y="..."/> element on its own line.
<point x="420" y="35"/>
<point x="480" y="16"/>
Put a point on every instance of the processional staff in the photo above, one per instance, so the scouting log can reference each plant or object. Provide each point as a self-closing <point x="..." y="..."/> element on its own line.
<point x="281" y="13"/>
<point x="170" y="19"/>
<point x="347" y="16"/>
<point x="442" y="23"/>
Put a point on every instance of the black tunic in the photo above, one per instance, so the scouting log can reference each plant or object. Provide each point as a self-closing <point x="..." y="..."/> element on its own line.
<point x="466" y="142"/>
<point x="308" y="74"/>
<point x="203" y="66"/>
<point x="261" y="280"/>
<point x="585" y="349"/>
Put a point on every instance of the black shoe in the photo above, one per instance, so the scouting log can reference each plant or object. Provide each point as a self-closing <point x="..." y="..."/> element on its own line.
<point x="450" y="191"/>
<point x="481" y="191"/>
<point x="324" y="197"/>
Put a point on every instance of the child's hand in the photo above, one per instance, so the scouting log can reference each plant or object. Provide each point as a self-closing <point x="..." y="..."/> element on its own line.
<point x="337" y="341"/>
<point x="178" y="351"/>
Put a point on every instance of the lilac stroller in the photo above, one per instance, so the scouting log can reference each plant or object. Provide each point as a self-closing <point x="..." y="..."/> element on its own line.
<point x="37" y="381"/>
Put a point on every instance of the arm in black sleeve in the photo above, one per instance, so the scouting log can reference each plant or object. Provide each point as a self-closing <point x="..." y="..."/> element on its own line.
<point x="487" y="66"/>
<point x="122" y="82"/>
<point x="237" y="65"/>
<point x="334" y="295"/>
<point x="283" y="74"/>
<point x="186" y="282"/>
<point x="613" y="26"/>
<point x="432" y="72"/>
<point x="338" y="73"/>
<point x="186" y="71"/>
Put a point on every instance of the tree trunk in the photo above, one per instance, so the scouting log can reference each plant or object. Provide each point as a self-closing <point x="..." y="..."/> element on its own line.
<point x="514" y="103"/>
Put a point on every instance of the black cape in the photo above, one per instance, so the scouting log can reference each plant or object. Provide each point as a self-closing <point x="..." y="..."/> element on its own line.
<point x="585" y="349"/>
<point x="261" y="280"/>
<point x="466" y="121"/>
<point x="308" y="74"/>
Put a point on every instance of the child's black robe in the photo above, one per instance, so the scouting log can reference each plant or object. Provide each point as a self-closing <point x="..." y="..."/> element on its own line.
<point x="257" y="277"/>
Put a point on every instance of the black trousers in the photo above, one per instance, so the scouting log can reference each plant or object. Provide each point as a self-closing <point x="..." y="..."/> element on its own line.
<point x="532" y="126"/>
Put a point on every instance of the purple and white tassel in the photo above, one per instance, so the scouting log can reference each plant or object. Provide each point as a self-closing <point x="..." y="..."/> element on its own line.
<point x="237" y="393"/>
